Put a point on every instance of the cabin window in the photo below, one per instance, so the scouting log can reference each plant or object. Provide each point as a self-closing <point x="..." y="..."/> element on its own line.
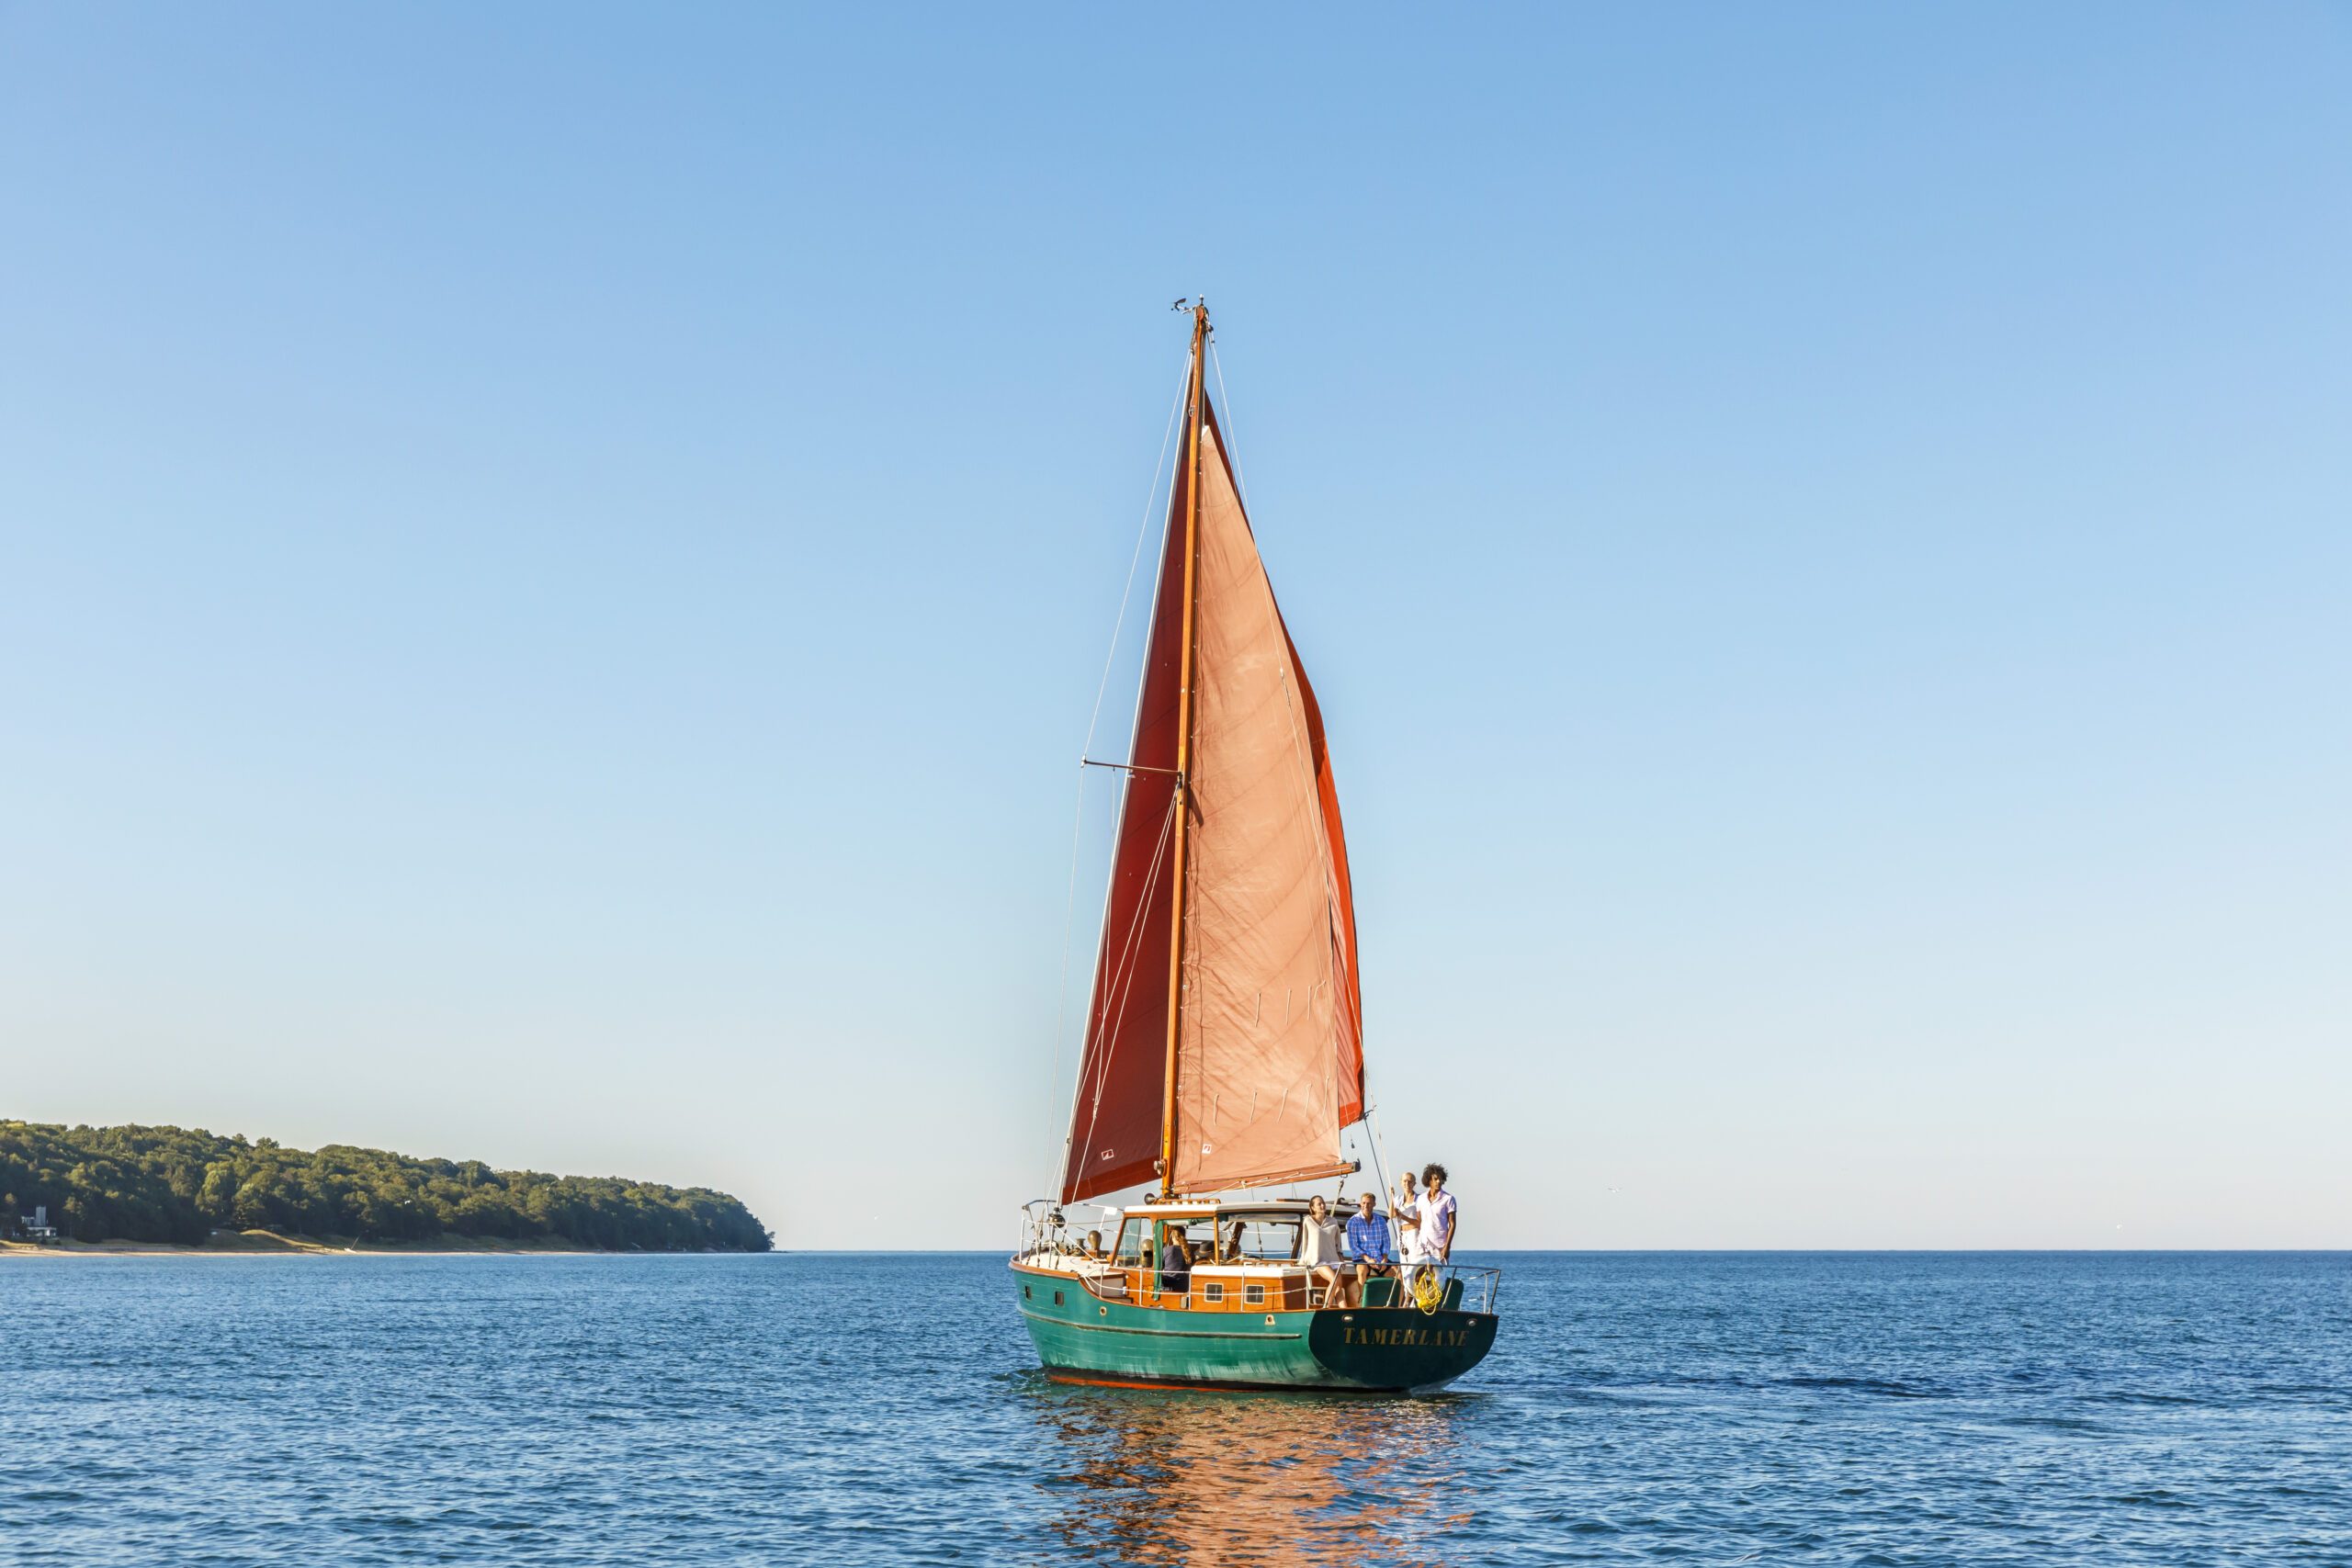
<point x="1254" y="1295"/>
<point x="1133" y="1237"/>
<point x="1057" y="1297"/>
<point x="1213" y="1292"/>
<point x="1263" y="1238"/>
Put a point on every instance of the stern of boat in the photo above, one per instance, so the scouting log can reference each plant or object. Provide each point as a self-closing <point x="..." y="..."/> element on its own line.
<point x="1116" y="1330"/>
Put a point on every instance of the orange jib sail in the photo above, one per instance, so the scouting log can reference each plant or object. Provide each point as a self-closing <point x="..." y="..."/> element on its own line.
<point x="1269" y="1064"/>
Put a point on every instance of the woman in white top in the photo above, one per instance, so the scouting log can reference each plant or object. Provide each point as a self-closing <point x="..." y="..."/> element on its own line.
<point x="1407" y="1206"/>
<point x="1319" y="1249"/>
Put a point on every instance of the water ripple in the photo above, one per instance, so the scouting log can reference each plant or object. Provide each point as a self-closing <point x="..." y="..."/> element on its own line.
<point x="1900" y="1409"/>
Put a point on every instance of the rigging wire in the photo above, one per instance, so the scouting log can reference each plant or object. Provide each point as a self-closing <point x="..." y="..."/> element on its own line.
<point x="1227" y="400"/>
<point x="1124" y="976"/>
<point x="1061" y="985"/>
<point x="1380" y="1167"/>
<point x="1142" y="532"/>
<point x="1078" y="827"/>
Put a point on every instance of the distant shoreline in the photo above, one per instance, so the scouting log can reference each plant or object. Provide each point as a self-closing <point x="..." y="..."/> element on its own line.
<point x="269" y="1243"/>
<point x="190" y="1189"/>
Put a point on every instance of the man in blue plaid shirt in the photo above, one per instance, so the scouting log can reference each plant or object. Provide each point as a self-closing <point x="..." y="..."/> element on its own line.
<point x="1368" y="1243"/>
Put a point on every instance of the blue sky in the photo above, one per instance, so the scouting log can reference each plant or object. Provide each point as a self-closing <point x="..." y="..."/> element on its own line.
<point x="554" y="564"/>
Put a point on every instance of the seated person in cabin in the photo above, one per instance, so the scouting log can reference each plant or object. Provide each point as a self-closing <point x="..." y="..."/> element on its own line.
<point x="1368" y="1240"/>
<point x="1318" y="1250"/>
<point x="1175" y="1264"/>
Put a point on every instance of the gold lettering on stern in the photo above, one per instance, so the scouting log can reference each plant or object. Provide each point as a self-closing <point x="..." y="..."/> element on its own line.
<point x="1431" y="1338"/>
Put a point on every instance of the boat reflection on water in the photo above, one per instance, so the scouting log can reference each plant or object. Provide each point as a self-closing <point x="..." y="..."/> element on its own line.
<point x="1187" y="1477"/>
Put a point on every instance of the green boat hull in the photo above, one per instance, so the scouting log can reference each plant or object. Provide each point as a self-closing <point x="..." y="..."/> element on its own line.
<point x="1374" y="1350"/>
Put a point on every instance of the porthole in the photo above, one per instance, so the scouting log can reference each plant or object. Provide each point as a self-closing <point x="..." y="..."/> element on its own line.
<point x="1254" y="1295"/>
<point x="1104" y="1310"/>
<point x="1214" y="1292"/>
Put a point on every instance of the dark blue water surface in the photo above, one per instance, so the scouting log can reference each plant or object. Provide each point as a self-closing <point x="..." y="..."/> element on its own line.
<point x="1903" y="1408"/>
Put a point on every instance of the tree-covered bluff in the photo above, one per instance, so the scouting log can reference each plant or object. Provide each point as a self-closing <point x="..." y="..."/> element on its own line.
<point x="171" y="1184"/>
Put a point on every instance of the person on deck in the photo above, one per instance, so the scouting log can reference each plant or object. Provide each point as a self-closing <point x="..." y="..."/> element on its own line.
<point x="1406" y="1205"/>
<point x="1438" y="1216"/>
<point x="1318" y="1250"/>
<point x="1368" y="1239"/>
<point x="1175" y="1264"/>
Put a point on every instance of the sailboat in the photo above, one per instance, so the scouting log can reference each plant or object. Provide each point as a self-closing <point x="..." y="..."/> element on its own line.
<point x="1223" y="1051"/>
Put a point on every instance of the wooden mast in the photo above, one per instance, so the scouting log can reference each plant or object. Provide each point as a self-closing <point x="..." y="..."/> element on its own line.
<point x="1183" y="749"/>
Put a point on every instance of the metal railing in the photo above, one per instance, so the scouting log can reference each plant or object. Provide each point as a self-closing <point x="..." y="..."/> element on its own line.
<point x="1451" y="1288"/>
<point x="1459" y="1287"/>
<point x="1051" y="1227"/>
<point x="1052" y="1230"/>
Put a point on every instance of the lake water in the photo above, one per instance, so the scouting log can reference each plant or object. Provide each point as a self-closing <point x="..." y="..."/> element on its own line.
<point x="1768" y="1408"/>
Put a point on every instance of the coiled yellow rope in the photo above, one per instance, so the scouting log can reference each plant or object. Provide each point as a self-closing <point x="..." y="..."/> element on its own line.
<point x="1427" y="1291"/>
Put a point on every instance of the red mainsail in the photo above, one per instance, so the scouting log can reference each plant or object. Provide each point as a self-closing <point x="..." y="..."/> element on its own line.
<point x="1269" y="1059"/>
